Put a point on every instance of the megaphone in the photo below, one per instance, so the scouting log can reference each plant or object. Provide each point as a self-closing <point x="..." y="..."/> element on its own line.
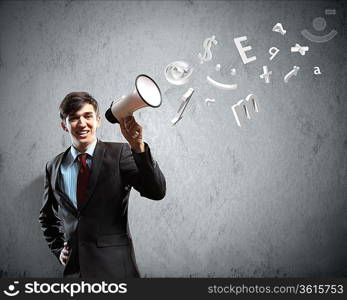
<point x="146" y="93"/>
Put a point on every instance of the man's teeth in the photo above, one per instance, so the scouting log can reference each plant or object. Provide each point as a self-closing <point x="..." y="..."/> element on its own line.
<point x="83" y="132"/>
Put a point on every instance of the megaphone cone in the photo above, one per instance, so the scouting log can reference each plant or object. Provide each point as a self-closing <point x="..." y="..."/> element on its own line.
<point x="146" y="93"/>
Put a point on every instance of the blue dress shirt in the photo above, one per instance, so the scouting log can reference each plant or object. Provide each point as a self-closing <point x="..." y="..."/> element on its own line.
<point x="69" y="170"/>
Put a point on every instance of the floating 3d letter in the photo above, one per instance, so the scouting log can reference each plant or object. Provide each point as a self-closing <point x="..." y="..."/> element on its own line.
<point x="273" y="52"/>
<point x="291" y="73"/>
<point x="184" y="102"/>
<point x="220" y="85"/>
<point x="266" y="74"/>
<point x="317" y="71"/>
<point x="301" y="49"/>
<point x="243" y="50"/>
<point x="207" y="55"/>
<point x="208" y="101"/>
<point x="279" y="28"/>
<point x="250" y="98"/>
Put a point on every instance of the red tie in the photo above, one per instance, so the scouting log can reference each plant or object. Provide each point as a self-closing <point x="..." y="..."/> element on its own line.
<point x="82" y="180"/>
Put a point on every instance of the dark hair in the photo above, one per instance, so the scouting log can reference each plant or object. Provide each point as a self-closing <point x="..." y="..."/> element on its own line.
<point x="74" y="102"/>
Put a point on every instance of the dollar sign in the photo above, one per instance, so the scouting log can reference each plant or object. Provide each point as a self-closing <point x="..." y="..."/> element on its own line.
<point x="207" y="56"/>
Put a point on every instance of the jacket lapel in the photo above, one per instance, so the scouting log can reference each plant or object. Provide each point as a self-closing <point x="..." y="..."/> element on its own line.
<point x="57" y="180"/>
<point x="95" y="170"/>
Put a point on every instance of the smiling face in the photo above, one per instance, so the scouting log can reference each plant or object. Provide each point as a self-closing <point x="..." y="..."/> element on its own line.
<point x="82" y="126"/>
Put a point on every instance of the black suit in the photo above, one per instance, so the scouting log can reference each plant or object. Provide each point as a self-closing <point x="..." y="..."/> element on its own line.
<point x="98" y="234"/>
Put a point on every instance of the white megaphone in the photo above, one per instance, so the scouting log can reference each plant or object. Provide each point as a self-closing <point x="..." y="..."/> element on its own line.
<point x="146" y="93"/>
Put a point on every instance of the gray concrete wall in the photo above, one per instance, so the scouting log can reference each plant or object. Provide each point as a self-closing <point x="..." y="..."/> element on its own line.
<point x="266" y="199"/>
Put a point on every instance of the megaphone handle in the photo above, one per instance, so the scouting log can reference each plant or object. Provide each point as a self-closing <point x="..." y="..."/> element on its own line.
<point x="136" y="132"/>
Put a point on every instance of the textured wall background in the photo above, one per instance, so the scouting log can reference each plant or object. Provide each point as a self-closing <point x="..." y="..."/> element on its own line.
<point x="266" y="199"/>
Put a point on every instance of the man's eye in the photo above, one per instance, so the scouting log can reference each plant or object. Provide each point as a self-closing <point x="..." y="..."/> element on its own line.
<point x="89" y="116"/>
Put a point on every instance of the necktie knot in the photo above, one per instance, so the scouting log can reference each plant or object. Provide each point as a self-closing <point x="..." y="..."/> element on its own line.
<point x="83" y="159"/>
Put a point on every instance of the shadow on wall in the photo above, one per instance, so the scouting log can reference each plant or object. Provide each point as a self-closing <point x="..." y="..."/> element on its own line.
<point x="25" y="252"/>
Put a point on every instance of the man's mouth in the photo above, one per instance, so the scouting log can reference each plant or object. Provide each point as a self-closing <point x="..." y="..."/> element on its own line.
<point x="82" y="133"/>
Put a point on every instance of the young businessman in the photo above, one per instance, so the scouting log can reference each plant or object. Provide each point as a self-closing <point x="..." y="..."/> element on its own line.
<point x="89" y="184"/>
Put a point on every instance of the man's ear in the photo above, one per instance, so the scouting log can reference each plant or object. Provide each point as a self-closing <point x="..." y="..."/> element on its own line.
<point x="98" y="120"/>
<point x="62" y="124"/>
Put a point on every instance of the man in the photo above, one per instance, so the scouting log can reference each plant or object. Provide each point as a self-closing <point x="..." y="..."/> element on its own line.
<point x="89" y="186"/>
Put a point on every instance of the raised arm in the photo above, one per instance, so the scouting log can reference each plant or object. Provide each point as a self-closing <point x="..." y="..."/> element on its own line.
<point x="142" y="172"/>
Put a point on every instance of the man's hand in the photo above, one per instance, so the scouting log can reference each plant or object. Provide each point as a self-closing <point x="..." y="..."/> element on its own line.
<point x="64" y="254"/>
<point x="132" y="132"/>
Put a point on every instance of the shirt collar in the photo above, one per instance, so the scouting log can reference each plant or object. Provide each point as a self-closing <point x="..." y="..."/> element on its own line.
<point x="74" y="152"/>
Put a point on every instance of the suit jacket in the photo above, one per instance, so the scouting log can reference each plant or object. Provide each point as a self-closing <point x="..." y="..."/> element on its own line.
<point x="98" y="233"/>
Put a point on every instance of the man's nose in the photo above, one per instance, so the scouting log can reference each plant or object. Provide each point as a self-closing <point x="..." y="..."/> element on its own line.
<point x="81" y="121"/>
